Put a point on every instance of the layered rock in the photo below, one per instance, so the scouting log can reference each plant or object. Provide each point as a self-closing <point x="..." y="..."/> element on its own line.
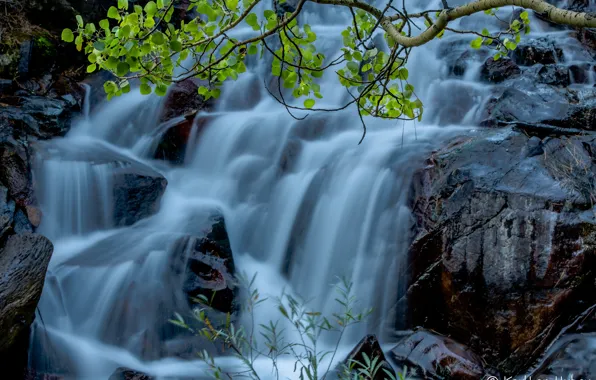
<point x="505" y="241"/>
<point x="369" y="349"/>
<point x="207" y="267"/>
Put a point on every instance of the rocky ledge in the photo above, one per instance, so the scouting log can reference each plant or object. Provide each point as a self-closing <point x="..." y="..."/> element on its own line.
<point x="505" y="240"/>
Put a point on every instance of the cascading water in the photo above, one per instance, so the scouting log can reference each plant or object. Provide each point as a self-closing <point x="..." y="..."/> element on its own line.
<point x="303" y="204"/>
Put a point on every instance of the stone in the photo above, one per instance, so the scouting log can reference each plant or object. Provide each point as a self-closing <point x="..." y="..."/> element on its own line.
<point x="554" y="75"/>
<point x="500" y="70"/>
<point x="534" y="51"/>
<point x="7" y="208"/>
<point x="137" y="194"/>
<point x="206" y="265"/>
<point x="129" y="374"/>
<point x="23" y="263"/>
<point x="21" y="223"/>
<point x="173" y="144"/>
<point x="183" y="99"/>
<point x="369" y="346"/>
<point x="15" y="172"/>
<point x="504" y="243"/>
<point x="572" y="356"/>
<point x="6" y="86"/>
<point x="436" y="356"/>
<point x="34" y="215"/>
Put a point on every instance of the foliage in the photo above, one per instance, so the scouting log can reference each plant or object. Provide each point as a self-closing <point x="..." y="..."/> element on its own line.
<point x="148" y="45"/>
<point x="268" y="341"/>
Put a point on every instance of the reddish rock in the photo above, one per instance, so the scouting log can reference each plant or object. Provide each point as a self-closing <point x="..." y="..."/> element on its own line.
<point x="504" y="248"/>
<point x="369" y="346"/>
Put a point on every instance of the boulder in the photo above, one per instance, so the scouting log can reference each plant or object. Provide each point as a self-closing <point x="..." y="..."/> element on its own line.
<point x="15" y="171"/>
<point x="554" y="75"/>
<point x="504" y="243"/>
<point x="207" y="266"/>
<point x="500" y="70"/>
<point x="128" y="374"/>
<point x="7" y="208"/>
<point x="137" y="194"/>
<point x="172" y="146"/>
<point x="23" y="263"/>
<point x="572" y="356"/>
<point x="540" y="50"/>
<point x="183" y="99"/>
<point x="436" y="356"/>
<point x="41" y="117"/>
<point x="369" y="346"/>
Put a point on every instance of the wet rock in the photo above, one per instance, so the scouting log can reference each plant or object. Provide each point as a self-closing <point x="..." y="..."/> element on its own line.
<point x="505" y="242"/>
<point x="39" y="116"/>
<point x="15" y="172"/>
<point x="587" y="37"/>
<point x="5" y="86"/>
<point x="500" y="70"/>
<point x="554" y="75"/>
<point x="174" y="142"/>
<point x="540" y="50"/>
<point x="573" y="356"/>
<point x="128" y="374"/>
<point x="289" y="155"/>
<point x="21" y="223"/>
<point x="436" y="356"/>
<point x="183" y="99"/>
<point x="137" y="194"/>
<point x="7" y="208"/>
<point x="207" y="266"/>
<point x="581" y="73"/>
<point x="23" y="263"/>
<point x="369" y="346"/>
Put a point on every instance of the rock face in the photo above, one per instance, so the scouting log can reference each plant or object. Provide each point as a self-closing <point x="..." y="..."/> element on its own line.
<point x="504" y="242"/>
<point x="369" y="346"/>
<point x="498" y="71"/>
<point x="435" y="356"/>
<point x="136" y="195"/>
<point x="533" y="51"/>
<point x="207" y="266"/>
<point x="23" y="264"/>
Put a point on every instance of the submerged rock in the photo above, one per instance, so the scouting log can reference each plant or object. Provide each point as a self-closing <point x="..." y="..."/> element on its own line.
<point x="207" y="266"/>
<point x="436" y="356"/>
<point x="369" y="346"/>
<point x="137" y="194"/>
<point x="504" y="244"/>
<point x="23" y="263"/>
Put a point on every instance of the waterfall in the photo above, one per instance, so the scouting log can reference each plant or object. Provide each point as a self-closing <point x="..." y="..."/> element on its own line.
<point x="303" y="204"/>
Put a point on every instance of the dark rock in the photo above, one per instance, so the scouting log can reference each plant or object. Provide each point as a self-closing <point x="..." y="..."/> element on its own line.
<point x="183" y="99"/>
<point x="500" y="70"/>
<point x="6" y="86"/>
<point x="587" y="37"/>
<point x="174" y="142"/>
<point x="207" y="266"/>
<point x="137" y="194"/>
<point x="369" y="346"/>
<point x="581" y="73"/>
<point x="23" y="263"/>
<point x="7" y="208"/>
<point x="460" y="65"/>
<point x="534" y="147"/>
<point x="25" y="59"/>
<point x="541" y="50"/>
<point x="437" y="356"/>
<point x="554" y="75"/>
<point x="289" y="155"/>
<point x="506" y="243"/>
<point x="128" y="374"/>
<point x="15" y="172"/>
<point x="39" y="116"/>
<point x="524" y="100"/>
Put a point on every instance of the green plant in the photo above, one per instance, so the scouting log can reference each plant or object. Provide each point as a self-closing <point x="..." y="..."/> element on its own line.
<point x="268" y="341"/>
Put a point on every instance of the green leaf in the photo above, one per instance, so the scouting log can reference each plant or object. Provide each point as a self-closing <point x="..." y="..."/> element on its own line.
<point x="252" y="49"/>
<point x="524" y="15"/>
<point x="158" y="38"/>
<point x="151" y="8"/>
<point x="104" y="24"/>
<point x="80" y="22"/>
<point x="353" y="66"/>
<point x="92" y="58"/>
<point x="176" y="45"/>
<point x="91" y="68"/>
<point x="123" y="4"/>
<point x="232" y="4"/>
<point x="252" y="20"/>
<point x="112" y="63"/>
<point x="485" y="32"/>
<point x="122" y="69"/>
<point x="113" y="13"/>
<point x="309" y="103"/>
<point x="67" y="35"/>
<point x="476" y="43"/>
<point x="510" y="45"/>
<point x="145" y="89"/>
<point x="497" y="56"/>
<point x="403" y="73"/>
<point x="161" y="90"/>
<point x="110" y="87"/>
<point x="160" y="4"/>
<point x="90" y="28"/>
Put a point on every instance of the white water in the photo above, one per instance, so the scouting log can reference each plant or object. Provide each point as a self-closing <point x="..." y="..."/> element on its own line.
<point x="339" y="209"/>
